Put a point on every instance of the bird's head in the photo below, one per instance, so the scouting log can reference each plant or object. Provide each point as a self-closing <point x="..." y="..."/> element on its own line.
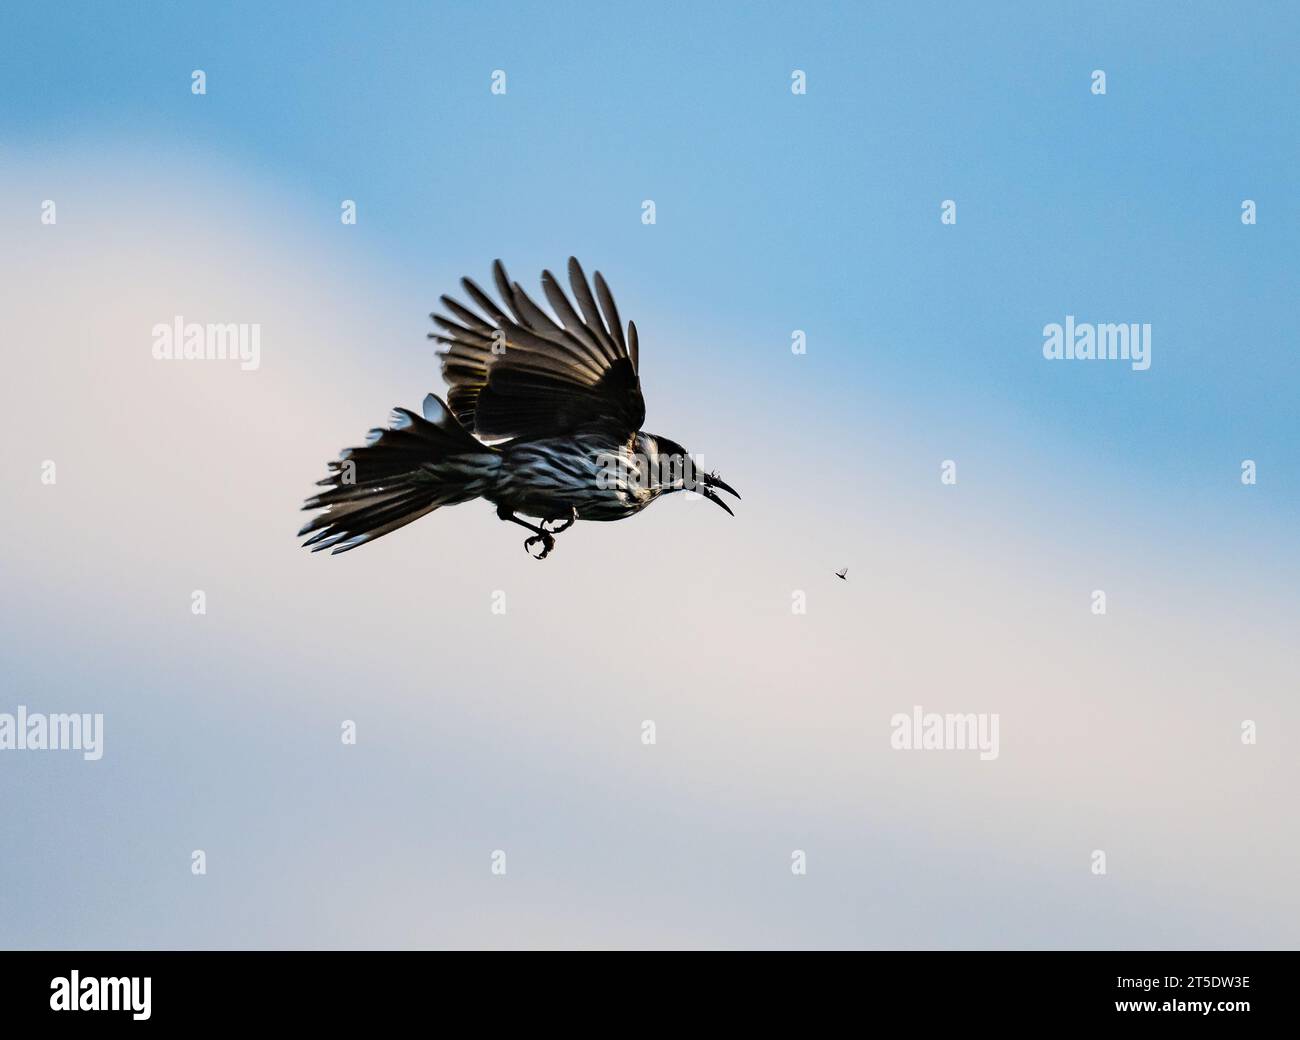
<point x="674" y="469"/>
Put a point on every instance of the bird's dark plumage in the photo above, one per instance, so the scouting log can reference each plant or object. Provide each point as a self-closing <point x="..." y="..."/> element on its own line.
<point x="524" y="375"/>
<point x="559" y="398"/>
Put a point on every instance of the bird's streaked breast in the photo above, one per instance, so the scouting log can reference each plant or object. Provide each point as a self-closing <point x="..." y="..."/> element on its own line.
<point x="546" y="478"/>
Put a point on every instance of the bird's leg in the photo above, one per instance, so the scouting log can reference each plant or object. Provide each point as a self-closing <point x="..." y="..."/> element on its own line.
<point x="543" y="536"/>
<point x="568" y="521"/>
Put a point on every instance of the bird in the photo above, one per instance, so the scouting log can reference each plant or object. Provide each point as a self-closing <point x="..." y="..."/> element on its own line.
<point x="843" y="575"/>
<point x="542" y="419"/>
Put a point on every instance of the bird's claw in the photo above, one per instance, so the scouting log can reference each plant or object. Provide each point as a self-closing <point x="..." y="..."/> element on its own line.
<point x="568" y="522"/>
<point x="545" y="540"/>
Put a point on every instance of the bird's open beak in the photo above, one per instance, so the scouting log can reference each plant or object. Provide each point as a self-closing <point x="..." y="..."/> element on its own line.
<point x="708" y="482"/>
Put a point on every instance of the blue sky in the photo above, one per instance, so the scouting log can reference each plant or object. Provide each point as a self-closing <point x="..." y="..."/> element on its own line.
<point x="778" y="212"/>
<point x="775" y="212"/>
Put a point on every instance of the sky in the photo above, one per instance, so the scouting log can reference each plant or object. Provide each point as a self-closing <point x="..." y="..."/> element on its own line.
<point x="522" y="732"/>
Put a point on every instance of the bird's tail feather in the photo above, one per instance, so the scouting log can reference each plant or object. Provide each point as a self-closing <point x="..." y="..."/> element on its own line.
<point x="410" y="469"/>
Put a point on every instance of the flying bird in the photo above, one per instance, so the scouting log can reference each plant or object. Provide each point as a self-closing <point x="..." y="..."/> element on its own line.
<point x="542" y="418"/>
<point x="843" y="575"/>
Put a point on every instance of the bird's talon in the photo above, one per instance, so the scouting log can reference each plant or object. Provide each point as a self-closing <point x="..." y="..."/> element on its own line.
<point x="564" y="525"/>
<point x="545" y="540"/>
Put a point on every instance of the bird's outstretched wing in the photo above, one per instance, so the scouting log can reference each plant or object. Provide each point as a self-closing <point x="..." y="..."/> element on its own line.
<point x="519" y="372"/>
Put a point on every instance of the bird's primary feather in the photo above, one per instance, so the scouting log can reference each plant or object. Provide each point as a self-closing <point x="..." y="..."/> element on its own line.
<point x="523" y="374"/>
